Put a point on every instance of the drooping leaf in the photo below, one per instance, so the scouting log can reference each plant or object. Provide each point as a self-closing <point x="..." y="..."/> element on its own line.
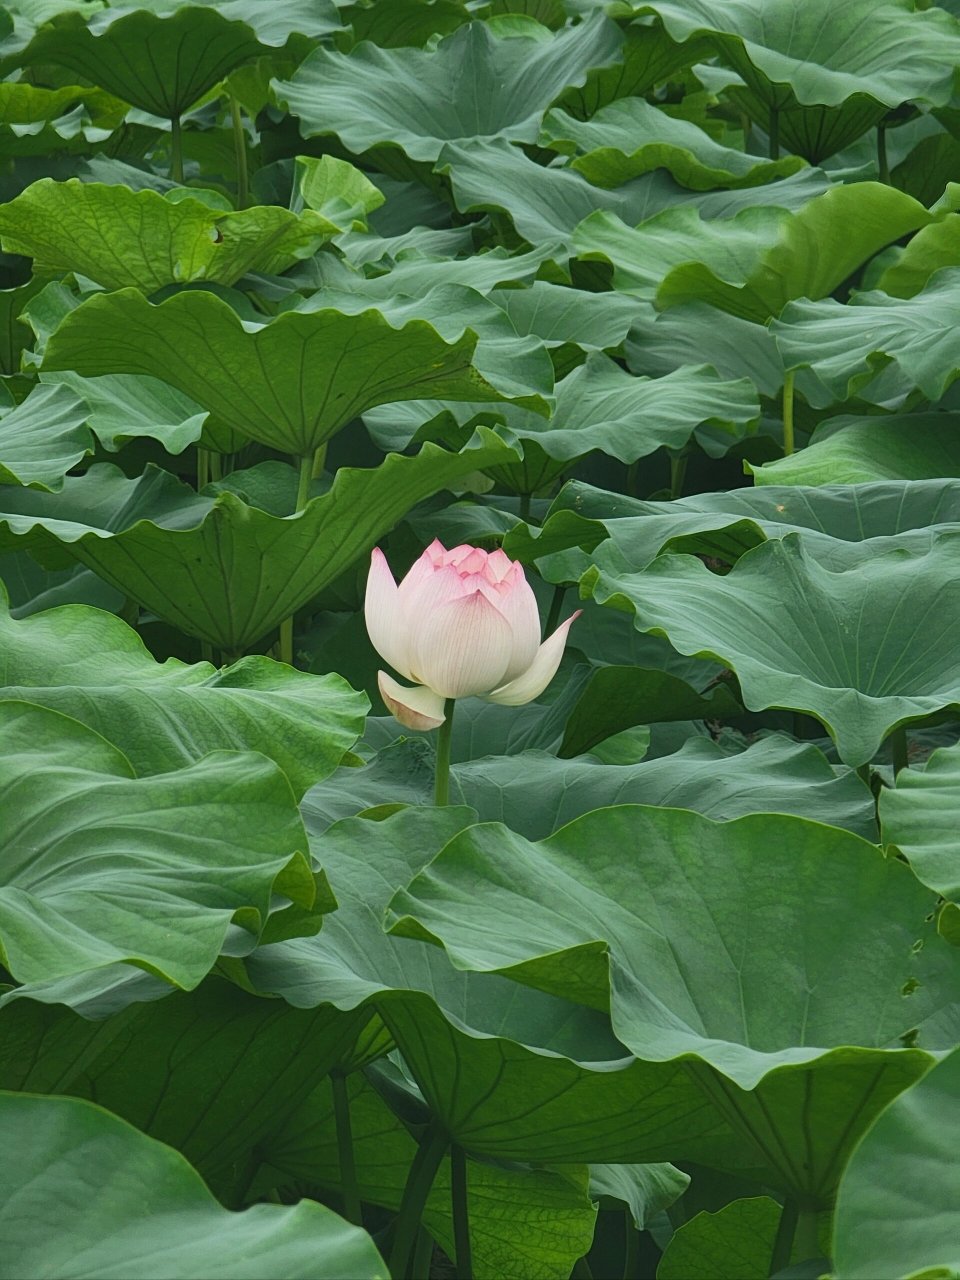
<point x="292" y="383"/>
<point x="338" y="191"/>
<point x="920" y="816"/>
<point x="848" y="344"/>
<point x="739" y="1237"/>
<point x="152" y="1214"/>
<point x="146" y="871"/>
<point x="646" y="1189"/>
<point x="897" y="1203"/>
<point x="224" y="571"/>
<point x="474" y="84"/>
<point x="92" y="667"/>
<point x="816" y="249"/>
<point x="43" y="437"/>
<point x="855" y="450"/>
<point x="631" y="137"/>
<point x="161" y="64"/>
<point x="119" y="237"/>
<point x="934" y="247"/>
<point x="731" y="946"/>
<point x="558" y="315"/>
<point x="123" y="406"/>
<point x="863" y="645"/>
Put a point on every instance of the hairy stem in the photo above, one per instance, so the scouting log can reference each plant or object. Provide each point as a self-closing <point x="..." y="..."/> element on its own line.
<point x="441" y="789"/>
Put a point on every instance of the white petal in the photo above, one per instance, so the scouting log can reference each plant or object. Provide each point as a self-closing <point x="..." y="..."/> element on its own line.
<point x="462" y="647"/>
<point x="383" y="615"/>
<point x="417" y="708"/>
<point x="518" y="605"/>
<point x="541" y="671"/>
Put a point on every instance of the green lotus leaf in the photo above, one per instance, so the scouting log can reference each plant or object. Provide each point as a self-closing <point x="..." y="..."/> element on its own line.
<point x="153" y="1214"/>
<point x="631" y="137"/>
<point x="43" y="438"/>
<point x="919" y="816"/>
<point x="734" y="951"/>
<point x="516" y="1074"/>
<point x="897" y="1204"/>
<point x="739" y="1237"/>
<point x="886" y="52"/>
<point x="559" y="316"/>
<point x="862" y="645"/>
<point x="394" y="24"/>
<point x="534" y="794"/>
<point x="274" y="24"/>
<point x="643" y="256"/>
<point x="599" y="406"/>
<point x="933" y="247"/>
<point x="524" y="1222"/>
<point x="474" y="84"/>
<point x="848" y="344"/>
<point x="159" y="64"/>
<point x="723" y="526"/>
<point x="816" y="249"/>
<point x="338" y="191"/>
<point x="544" y="204"/>
<point x="221" y="570"/>
<point x="121" y="407"/>
<point x="92" y="667"/>
<point x="648" y="57"/>
<point x="119" y="237"/>
<point x="646" y="1189"/>
<point x="144" y="871"/>
<point x="291" y="383"/>
<point x="855" y="450"/>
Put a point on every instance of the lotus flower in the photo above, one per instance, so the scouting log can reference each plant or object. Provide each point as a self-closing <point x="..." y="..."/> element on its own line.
<point x="462" y="623"/>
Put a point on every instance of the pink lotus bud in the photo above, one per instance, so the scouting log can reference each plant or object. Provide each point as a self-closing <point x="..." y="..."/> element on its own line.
<point x="462" y="623"/>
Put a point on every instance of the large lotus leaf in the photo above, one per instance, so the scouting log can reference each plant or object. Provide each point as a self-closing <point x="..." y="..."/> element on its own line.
<point x="227" y="572"/>
<point x="119" y="237"/>
<point x="809" y="51"/>
<point x="544" y="204"/>
<point x="291" y="383"/>
<point x="711" y="1246"/>
<point x="631" y="137"/>
<point x="755" y="953"/>
<point x="126" y="406"/>
<point x="645" y="1189"/>
<point x="558" y="315"/>
<point x="660" y="342"/>
<point x="392" y="24"/>
<point x="600" y="406"/>
<point x="146" y="871"/>
<point x="512" y="363"/>
<point x="725" y="525"/>
<point x="43" y="437"/>
<point x="933" y="247"/>
<point x="512" y="1076"/>
<point x="816" y="249"/>
<point x="863" y="645"/>
<point x="14" y="332"/>
<point x="241" y="1065"/>
<point x="160" y="64"/>
<point x="93" y="667"/>
<point x="529" y="1224"/>
<point x="921" y="817"/>
<point x="338" y="190"/>
<point x="648" y="58"/>
<point x="898" y="1206"/>
<point x="274" y="24"/>
<point x="534" y="794"/>
<point x="643" y="256"/>
<point x="847" y="344"/>
<point x="854" y="450"/>
<point x="151" y="1215"/>
<point x="416" y="276"/>
<point x="474" y="84"/>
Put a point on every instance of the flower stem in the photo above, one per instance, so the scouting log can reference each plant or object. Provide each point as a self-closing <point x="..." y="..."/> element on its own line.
<point x="176" y="151"/>
<point x="423" y="1170"/>
<point x="348" y="1168"/>
<point x="240" y="149"/>
<point x="788" y="382"/>
<point x="441" y="790"/>
<point x="461" y="1218"/>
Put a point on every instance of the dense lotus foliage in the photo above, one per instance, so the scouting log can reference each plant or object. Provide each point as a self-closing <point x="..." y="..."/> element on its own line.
<point x="648" y="970"/>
